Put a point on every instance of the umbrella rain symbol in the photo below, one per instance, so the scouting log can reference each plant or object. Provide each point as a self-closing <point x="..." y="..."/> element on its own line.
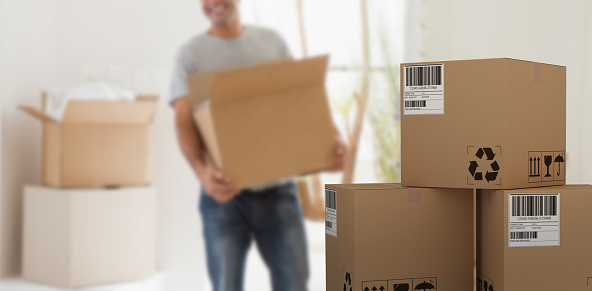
<point x="424" y="286"/>
<point x="559" y="159"/>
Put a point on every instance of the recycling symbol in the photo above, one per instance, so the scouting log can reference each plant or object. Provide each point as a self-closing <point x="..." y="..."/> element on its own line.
<point x="484" y="162"/>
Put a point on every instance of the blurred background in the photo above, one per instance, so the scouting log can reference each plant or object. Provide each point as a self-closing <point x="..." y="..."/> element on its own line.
<point x="54" y="44"/>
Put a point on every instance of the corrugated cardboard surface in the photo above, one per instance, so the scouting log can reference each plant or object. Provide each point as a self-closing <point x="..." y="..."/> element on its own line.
<point x="564" y="267"/>
<point x="387" y="235"/>
<point x="98" y="143"/>
<point x="77" y="237"/>
<point x="491" y="103"/>
<point x="94" y="154"/>
<point x="265" y="122"/>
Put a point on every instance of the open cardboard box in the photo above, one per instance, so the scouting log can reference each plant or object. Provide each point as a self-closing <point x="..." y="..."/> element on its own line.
<point x="266" y="121"/>
<point x="98" y="143"/>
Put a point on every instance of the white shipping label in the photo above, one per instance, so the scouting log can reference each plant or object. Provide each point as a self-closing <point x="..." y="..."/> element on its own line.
<point x="423" y="89"/>
<point x="533" y="220"/>
<point x="331" y="212"/>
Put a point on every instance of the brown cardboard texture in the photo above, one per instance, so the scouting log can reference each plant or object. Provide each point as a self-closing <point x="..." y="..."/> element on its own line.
<point x="388" y="237"/>
<point x="79" y="237"/>
<point x="484" y="124"/>
<point x="98" y="143"/>
<point x="534" y="239"/>
<point x="267" y="121"/>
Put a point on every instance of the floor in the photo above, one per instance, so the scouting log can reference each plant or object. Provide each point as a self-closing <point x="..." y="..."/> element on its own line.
<point x="154" y="283"/>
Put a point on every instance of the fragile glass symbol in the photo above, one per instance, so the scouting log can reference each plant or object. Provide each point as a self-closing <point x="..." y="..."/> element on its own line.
<point x="548" y="160"/>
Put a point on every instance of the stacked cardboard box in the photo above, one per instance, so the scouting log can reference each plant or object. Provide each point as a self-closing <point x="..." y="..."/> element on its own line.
<point x="93" y="220"/>
<point x="497" y="125"/>
<point x="534" y="239"/>
<point x="483" y="124"/>
<point x="389" y="237"/>
<point x="79" y="237"/>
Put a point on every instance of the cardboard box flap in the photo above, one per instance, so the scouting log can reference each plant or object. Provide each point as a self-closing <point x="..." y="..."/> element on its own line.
<point x="199" y="86"/>
<point x="91" y="111"/>
<point x="513" y="59"/>
<point x="268" y="79"/>
<point x="37" y="114"/>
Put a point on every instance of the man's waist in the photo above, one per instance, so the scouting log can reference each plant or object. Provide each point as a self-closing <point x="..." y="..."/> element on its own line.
<point x="265" y="187"/>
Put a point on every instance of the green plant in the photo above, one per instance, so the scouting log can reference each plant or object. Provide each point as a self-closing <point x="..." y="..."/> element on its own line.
<point x="383" y="114"/>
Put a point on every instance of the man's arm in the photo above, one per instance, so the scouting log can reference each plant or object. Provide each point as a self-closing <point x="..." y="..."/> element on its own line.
<point x="216" y="183"/>
<point x="340" y="155"/>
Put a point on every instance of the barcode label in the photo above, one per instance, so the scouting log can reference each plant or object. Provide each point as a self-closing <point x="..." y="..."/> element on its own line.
<point x="423" y="89"/>
<point x="423" y="75"/>
<point x="534" y="205"/>
<point x="523" y="234"/>
<point x="533" y="219"/>
<point x="418" y="103"/>
<point x="331" y="212"/>
<point x="330" y="198"/>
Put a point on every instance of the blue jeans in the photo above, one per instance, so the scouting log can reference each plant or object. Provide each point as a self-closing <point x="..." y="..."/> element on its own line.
<point x="272" y="219"/>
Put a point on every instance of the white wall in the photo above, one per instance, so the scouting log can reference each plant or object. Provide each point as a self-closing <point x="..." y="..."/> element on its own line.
<point x="26" y="58"/>
<point x="56" y="44"/>
<point x="556" y="32"/>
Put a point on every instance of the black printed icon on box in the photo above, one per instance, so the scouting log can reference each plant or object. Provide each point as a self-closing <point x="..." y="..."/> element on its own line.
<point x="484" y="283"/>
<point x="548" y="159"/>
<point x="483" y="165"/>
<point x="400" y="285"/>
<point x="347" y="285"/>
<point x="546" y="166"/>
<point x="534" y="166"/>
<point x="374" y="285"/>
<point x="424" y="284"/>
<point x="559" y="165"/>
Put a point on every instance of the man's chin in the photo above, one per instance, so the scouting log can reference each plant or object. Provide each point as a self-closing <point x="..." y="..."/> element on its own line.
<point x="220" y="22"/>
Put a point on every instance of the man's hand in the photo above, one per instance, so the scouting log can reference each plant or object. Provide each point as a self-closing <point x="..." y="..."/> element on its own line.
<point x="339" y="156"/>
<point x="217" y="184"/>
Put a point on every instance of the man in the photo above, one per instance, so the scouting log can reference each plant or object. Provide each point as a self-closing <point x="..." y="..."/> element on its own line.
<point x="268" y="214"/>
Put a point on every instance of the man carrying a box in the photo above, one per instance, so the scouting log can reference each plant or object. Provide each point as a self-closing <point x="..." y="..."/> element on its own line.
<point x="270" y="214"/>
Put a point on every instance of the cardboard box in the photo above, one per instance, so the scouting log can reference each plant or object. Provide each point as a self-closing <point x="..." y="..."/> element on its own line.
<point x="97" y="144"/>
<point x="387" y="237"/>
<point x="80" y="237"/>
<point x="540" y="243"/>
<point x="485" y="124"/>
<point x="267" y="121"/>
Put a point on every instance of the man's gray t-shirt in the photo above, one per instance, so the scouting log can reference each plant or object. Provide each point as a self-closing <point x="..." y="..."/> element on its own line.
<point x="205" y="53"/>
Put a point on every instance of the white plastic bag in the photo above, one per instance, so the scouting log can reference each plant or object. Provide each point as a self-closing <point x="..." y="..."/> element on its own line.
<point x="57" y="102"/>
